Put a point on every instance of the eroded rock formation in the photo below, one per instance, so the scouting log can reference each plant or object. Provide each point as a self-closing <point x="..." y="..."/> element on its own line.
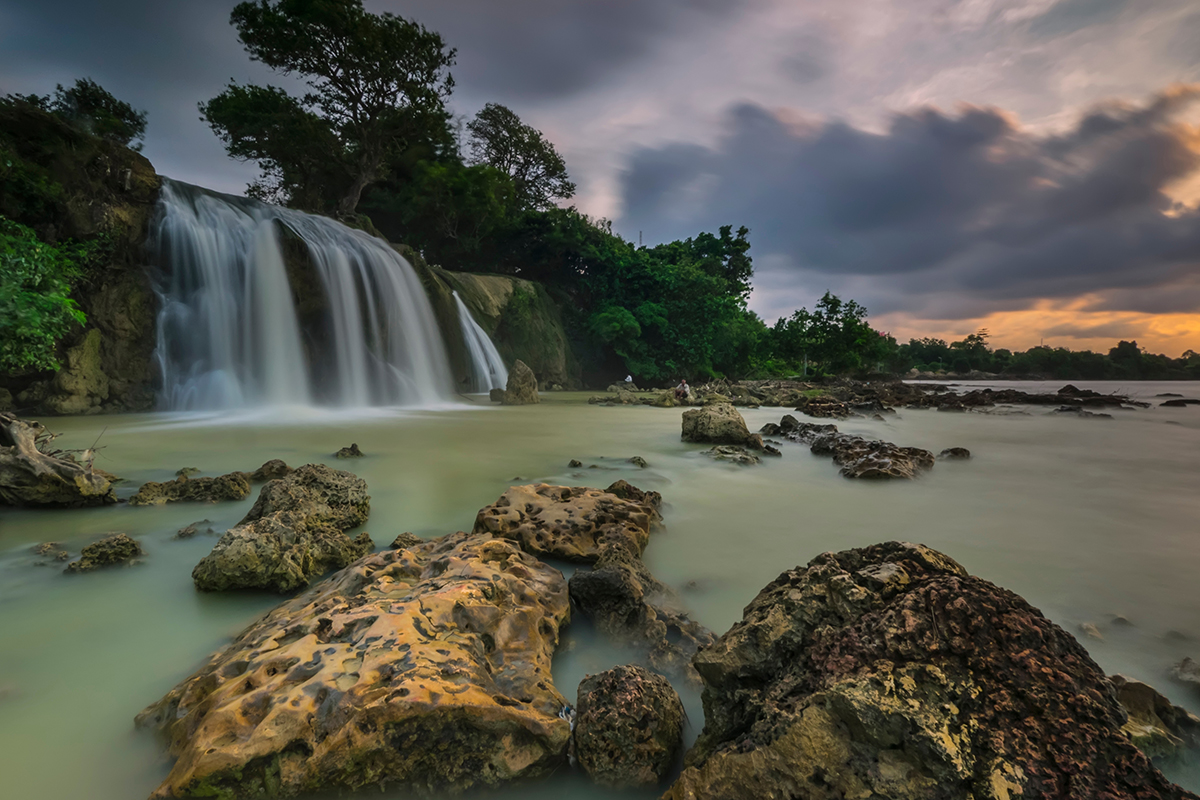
<point x="426" y="667"/>
<point x="118" y="548"/>
<point x="234" y="486"/>
<point x="522" y="388"/>
<point x="890" y="672"/>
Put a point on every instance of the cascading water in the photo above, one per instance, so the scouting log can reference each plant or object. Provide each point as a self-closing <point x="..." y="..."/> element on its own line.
<point x="487" y="367"/>
<point x="231" y="335"/>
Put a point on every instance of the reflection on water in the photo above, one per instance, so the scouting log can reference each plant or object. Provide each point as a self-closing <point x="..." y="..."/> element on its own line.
<point x="1085" y="518"/>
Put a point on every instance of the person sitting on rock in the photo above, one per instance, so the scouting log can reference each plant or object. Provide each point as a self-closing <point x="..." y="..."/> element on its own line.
<point x="682" y="390"/>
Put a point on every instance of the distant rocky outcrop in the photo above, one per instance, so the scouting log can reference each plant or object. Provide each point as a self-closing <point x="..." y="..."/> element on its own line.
<point x="294" y="532"/>
<point x="888" y="671"/>
<point x="31" y="477"/>
<point x="422" y="669"/>
<point x="628" y="727"/>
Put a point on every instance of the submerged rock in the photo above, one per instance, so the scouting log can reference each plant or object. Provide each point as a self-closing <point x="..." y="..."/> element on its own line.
<point x="638" y="461"/>
<point x="271" y="470"/>
<point x="628" y="727"/>
<point x="51" y="550"/>
<point x="522" y="388"/>
<point x="718" y="424"/>
<point x="888" y="671"/>
<point x="574" y="463"/>
<point x="1180" y="403"/>
<point x="349" y="452"/>
<point x="234" y="486"/>
<point x="203" y="526"/>
<point x="426" y="668"/>
<point x="294" y="532"/>
<point x="1159" y="728"/>
<point x="118" y="548"/>
<point x="954" y="453"/>
<point x="566" y="522"/>
<point x="732" y="453"/>
<point x="31" y="477"/>
<point x="187" y="472"/>
<point x="865" y="458"/>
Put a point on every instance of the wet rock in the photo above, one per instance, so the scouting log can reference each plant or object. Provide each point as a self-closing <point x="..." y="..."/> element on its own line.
<point x="1090" y="630"/>
<point x="118" y="548"/>
<point x="50" y="550"/>
<point x="203" y="526"/>
<point x="349" y="452"/>
<point x="1160" y="729"/>
<point x="31" y="477"/>
<point x="825" y="406"/>
<point x="628" y="727"/>
<point x="954" y="453"/>
<point x="718" y="424"/>
<point x="1168" y="394"/>
<point x="234" y="486"/>
<point x="187" y="472"/>
<point x="627" y="491"/>
<point x="1180" y="403"/>
<point x="732" y="453"/>
<point x="272" y="470"/>
<point x="1187" y="671"/>
<point x="662" y="400"/>
<point x="294" y="532"/>
<point x="866" y="458"/>
<point x="575" y="463"/>
<point x="496" y="395"/>
<point x="407" y="540"/>
<point x="522" y="386"/>
<point x="564" y="521"/>
<point x="630" y="606"/>
<point x="638" y="461"/>
<point x="419" y="669"/>
<point x="1079" y="411"/>
<point x="888" y="671"/>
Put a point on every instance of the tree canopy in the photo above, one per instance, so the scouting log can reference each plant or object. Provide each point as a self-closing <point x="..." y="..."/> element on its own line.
<point x="378" y="85"/>
<point x="499" y="139"/>
<point x="90" y="107"/>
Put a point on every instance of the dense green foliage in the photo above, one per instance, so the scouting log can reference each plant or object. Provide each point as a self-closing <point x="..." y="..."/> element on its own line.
<point x="90" y="107"/>
<point x="378" y="84"/>
<point x="36" y="309"/>
<point x="499" y="139"/>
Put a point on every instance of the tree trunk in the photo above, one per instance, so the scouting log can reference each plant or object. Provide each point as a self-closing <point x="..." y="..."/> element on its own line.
<point x="29" y="477"/>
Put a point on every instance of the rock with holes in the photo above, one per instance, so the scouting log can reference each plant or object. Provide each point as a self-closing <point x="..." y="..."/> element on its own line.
<point x="272" y="470"/>
<point x="628" y="727"/>
<point x="424" y="668"/>
<point x="117" y="548"/>
<point x="294" y="532"/>
<point x="888" y="671"/>
<point x="569" y="522"/>
<point x="234" y="486"/>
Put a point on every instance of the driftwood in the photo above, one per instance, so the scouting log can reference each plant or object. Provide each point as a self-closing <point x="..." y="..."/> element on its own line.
<point x="30" y="476"/>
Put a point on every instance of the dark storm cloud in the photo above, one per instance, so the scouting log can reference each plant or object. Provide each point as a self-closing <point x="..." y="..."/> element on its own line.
<point x="943" y="213"/>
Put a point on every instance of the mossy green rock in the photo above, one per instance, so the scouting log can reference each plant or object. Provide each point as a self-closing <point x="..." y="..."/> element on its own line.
<point x="109" y="551"/>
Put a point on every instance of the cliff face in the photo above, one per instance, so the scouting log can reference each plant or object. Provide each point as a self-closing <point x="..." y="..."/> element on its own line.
<point x="64" y="183"/>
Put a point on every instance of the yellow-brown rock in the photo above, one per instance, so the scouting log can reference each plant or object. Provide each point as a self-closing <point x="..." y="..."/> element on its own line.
<point x="426" y="667"/>
<point x="568" y="521"/>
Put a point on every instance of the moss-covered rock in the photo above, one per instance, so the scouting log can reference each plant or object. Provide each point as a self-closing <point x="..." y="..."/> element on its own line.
<point x="119" y="548"/>
<point x="234" y="486"/>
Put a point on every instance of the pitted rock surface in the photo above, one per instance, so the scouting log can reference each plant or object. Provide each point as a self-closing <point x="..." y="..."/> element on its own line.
<point x="628" y="728"/>
<point x="719" y="423"/>
<point x="569" y="522"/>
<point x="294" y="532"/>
<point x="119" y="548"/>
<point x="234" y="486"/>
<point x="858" y="457"/>
<point x="890" y="672"/>
<point x="426" y="667"/>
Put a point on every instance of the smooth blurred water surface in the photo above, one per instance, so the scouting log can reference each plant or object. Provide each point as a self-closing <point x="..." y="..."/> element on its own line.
<point x="1085" y="518"/>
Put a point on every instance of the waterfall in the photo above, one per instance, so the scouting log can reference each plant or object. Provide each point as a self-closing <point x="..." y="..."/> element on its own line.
<point x="487" y="367"/>
<point x="235" y="331"/>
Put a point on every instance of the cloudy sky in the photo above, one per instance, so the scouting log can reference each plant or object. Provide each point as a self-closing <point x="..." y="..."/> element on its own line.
<point x="1029" y="166"/>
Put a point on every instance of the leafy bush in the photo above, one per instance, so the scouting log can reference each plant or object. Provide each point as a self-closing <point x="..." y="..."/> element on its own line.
<point x="36" y="309"/>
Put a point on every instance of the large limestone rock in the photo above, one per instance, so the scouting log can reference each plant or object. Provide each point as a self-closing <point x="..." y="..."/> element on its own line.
<point x="522" y="387"/>
<point x="234" y="486"/>
<point x="30" y="477"/>
<point x="890" y="672"/>
<point x="570" y="522"/>
<point x="718" y="424"/>
<point x="294" y="532"/>
<point x="426" y="668"/>
<point x="628" y="727"/>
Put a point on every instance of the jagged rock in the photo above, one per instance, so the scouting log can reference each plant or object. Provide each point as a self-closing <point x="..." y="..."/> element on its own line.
<point x="203" y="526"/>
<point x="425" y="668"/>
<point x="731" y="453"/>
<point x="865" y="458"/>
<point x="575" y="463"/>
<point x="272" y="470"/>
<point x="718" y="424"/>
<point x="627" y="491"/>
<point x="638" y="461"/>
<point x="1160" y="729"/>
<point x="953" y="453"/>
<point x="349" y="452"/>
<point x="234" y="486"/>
<point x="30" y="477"/>
<point x="522" y="386"/>
<point x="407" y="540"/>
<point x="564" y="521"/>
<point x="118" y="548"/>
<point x="629" y="605"/>
<point x="294" y="532"/>
<point x="888" y="671"/>
<point x="628" y="727"/>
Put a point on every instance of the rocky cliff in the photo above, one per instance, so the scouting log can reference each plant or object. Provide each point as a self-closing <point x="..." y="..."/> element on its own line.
<point x="67" y="184"/>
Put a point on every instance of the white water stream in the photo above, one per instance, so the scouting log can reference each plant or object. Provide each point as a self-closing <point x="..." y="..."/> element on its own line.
<point x="228" y="330"/>
<point x="487" y="367"/>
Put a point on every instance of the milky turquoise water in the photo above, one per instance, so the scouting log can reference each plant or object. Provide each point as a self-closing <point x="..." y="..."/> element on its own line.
<point x="1087" y="519"/>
